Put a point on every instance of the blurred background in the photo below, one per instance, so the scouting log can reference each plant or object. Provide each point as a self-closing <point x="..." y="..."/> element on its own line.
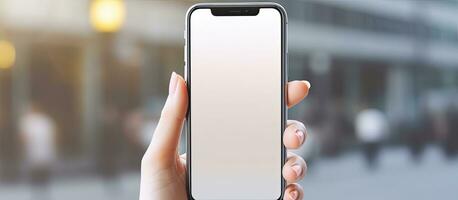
<point x="82" y="84"/>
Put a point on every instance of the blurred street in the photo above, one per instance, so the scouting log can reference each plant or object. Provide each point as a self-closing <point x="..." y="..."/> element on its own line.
<point x="331" y="178"/>
<point x="396" y="178"/>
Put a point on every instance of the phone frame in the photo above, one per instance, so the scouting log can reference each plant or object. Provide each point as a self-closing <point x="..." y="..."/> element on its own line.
<point x="284" y="78"/>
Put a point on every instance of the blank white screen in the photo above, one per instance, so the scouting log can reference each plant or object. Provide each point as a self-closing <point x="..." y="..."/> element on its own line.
<point x="236" y="105"/>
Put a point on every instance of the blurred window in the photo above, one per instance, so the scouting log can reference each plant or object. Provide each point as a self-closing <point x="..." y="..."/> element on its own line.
<point x="314" y="12"/>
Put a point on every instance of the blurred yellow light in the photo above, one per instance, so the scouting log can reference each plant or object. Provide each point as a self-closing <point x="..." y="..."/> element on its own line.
<point x="107" y="15"/>
<point x="7" y="54"/>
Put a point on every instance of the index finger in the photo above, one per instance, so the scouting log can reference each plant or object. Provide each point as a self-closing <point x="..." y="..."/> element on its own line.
<point x="296" y="91"/>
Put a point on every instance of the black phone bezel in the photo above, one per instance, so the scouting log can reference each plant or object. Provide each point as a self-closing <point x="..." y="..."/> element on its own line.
<point x="284" y="79"/>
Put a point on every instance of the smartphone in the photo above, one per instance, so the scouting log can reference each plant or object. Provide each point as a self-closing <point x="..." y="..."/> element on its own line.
<point x="236" y="74"/>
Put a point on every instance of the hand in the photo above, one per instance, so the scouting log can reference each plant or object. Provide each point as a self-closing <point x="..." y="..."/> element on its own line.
<point x="163" y="173"/>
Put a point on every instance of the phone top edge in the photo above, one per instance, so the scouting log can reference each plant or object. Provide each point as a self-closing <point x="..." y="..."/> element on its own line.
<point x="274" y="5"/>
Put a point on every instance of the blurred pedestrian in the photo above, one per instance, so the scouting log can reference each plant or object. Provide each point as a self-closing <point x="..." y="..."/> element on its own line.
<point x="451" y="138"/>
<point x="148" y="127"/>
<point x="419" y="132"/>
<point x="109" y="148"/>
<point x="138" y="130"/>
<point x="371" y="127"/>
<point x="38" y="134"/>
<point x="133" y="123"/>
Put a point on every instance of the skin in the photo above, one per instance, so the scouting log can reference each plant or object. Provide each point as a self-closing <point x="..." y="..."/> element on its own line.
<point x="163" y="171"/>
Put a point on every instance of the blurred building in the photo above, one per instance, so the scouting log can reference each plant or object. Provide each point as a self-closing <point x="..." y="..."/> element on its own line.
<point x="396" y="56"/>
<point x="74" y="69"/>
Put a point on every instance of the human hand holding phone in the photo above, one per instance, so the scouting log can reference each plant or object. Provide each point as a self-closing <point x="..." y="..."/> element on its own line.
<point x="163" y="171"/>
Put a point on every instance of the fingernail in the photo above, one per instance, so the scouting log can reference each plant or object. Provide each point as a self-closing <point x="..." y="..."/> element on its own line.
<point x="300" y="135"/>
<point x="297" y="169"/>
<point x="173" y="83"/>
<point x="308" y="84"/>
<point x="293" y="194"/>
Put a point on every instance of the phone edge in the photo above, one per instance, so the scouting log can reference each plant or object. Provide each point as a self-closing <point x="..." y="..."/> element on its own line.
<point x="284" y="81"/>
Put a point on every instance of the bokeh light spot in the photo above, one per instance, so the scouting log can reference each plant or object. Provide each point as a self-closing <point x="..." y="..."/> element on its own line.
<point x="107" y="15"/>
<point x="7" y="54"/>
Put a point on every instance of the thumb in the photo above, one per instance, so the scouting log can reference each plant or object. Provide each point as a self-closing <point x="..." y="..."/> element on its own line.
<point x="162" y="150"/>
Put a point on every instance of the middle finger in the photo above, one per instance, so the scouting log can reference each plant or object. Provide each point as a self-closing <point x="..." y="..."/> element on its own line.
<point x="295" y="134"/>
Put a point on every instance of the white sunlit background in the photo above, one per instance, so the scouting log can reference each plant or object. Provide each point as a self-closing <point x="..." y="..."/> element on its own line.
<point x="82" y="84"/>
